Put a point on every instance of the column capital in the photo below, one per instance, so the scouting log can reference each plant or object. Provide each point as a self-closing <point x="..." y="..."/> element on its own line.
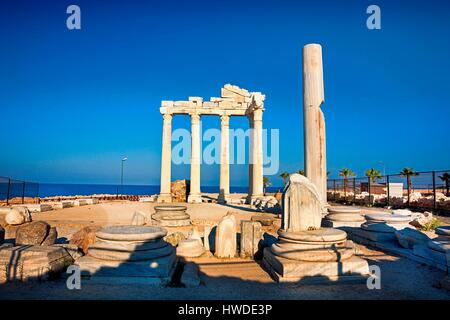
<point x="195" y="118"/>
<point x="224" y="120"/>
<point x="167" y="116"/>
<point x="257" y="114"/>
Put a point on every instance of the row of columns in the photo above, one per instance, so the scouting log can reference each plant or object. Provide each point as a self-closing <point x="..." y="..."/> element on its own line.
<point x="255" y="166"/>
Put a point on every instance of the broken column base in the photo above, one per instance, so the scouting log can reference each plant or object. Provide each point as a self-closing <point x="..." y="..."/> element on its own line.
<point x="164" y="198"/>
<point x="341" y="224"/>
<point x="157" y="272"/>
<point x="281" y="269"/>
<point x="195" y="198"/>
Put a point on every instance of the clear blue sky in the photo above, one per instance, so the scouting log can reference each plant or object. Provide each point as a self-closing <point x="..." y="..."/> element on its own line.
<point x="72" y="103"/>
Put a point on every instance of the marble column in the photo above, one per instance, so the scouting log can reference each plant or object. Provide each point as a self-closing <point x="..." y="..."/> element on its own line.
<point x="314" y="122"/>
<point x="194" y="194"/>
<point x="224" y="192"/>
<point x="166" y="161"/>
<point x="257" y="156"/>
<point x="250" y="160"/>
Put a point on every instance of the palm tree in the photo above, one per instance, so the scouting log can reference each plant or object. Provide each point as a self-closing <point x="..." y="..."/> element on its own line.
<point x="408" y="173"/>
<point x="266" y="183"/>
<point x="446" y="178"/>
<point x="285" y="176"/>
<point x="302" y="172"/>
<point x="346" y="172"/>
<point x="373" y="174"/>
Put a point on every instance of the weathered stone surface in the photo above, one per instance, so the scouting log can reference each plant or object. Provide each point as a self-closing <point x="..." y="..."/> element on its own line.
<point x="350" y="217"/>
<point x="302" y="205"/>
<point x="23" y="263"/>
<point x="386" y="217"/>
<point x="293" y="252"/>
<point x="402" y="212"/>
<point x="71" y="249"/>
<point x="170" y="216"/>
<point x="264" y="219"/>
<point x="344" y="209"/>
<point x="409" y="237"/>
<point x="160" y="267"/>
<point x="84" y="238"/>
<point x="107" y="253"/>
<point x="286" y="270"/>
<point x="51" y="237"/>
<point x="375" y="236"/>
<point x="422" y="250"/>
<point x="131" y="233"/>
<point x="251" y="235"/>
<point x="343" y="225"/>
<point x="139" y="219"/>
<point x="420" y="220"/>
<point x="179" y="190"/>
<point x="2" y="235"/>
<point x="443" y="231"/>
<point x="190" y="277"/>
<point x="190" y="248"/>
<point x="206" y="238"/>
<point x="439" y="244"/>
<point x="32" y="233"/>
<point x="225" y="244"/>
<point x="175" y="238"/>
<point x="320" y="236"/>
<point x="36" y="207"/>
<point x="378" y="227"/>
<point x="18" y="215"/>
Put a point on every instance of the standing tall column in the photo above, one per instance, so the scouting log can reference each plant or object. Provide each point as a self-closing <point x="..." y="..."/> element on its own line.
<point x="257" y="156"/>
<point x="194" y="194"/>
<point x="224" y="159"/>
<point x="314" y="122"/>
<point x="250" y="160"/>
<point x="166" y="161"/>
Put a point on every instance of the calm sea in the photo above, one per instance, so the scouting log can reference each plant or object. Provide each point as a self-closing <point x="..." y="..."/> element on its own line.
<point x="56" y="189"/>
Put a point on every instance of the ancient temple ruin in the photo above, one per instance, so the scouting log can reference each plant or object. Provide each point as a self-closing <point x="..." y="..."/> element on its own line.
<point x="234" y="101"/>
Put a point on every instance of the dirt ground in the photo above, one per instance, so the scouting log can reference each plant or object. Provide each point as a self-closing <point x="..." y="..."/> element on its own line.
<point x="223" y="279"/>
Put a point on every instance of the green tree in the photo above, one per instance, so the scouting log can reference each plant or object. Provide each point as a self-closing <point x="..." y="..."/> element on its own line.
<point x="266" y="183"/>
<point x="408" y="173"/>
<point x="346" y="172"/>
<point x="302" y="172"/>
<point x="285" y="176"/>
<point x="373" y="174"/>
<point x="446" y="178"/>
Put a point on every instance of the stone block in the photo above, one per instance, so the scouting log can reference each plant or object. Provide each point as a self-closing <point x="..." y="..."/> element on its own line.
<point x="422" y="250"/>
<point x="375" y="236"/>
<point x="21" y="263"/>
<point x="156" y="268"/>
<point x="286" y="270"/>
<point x="251" y="235"/>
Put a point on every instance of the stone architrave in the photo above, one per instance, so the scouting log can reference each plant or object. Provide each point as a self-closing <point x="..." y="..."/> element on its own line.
<point x="225" y="244"/>
<point x="314" y="121"/>
<point x="233" y="101"/>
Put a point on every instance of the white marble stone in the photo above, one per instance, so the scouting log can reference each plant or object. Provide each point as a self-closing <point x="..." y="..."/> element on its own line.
<point x="226" y="243"/>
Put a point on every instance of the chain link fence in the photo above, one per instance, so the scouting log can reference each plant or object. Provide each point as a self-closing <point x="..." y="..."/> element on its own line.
<point x="18" y="192"/>
<point x="422" y="191"/>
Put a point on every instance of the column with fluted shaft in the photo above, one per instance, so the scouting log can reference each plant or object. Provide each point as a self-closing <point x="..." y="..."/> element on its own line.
<point x="195" y="194"/>
<point x="256" y="157"/>
<point x="166" y="154"/>
<point x="224" y="192"/>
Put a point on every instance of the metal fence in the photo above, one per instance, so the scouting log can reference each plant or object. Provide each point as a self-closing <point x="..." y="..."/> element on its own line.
<point x="18" y="192"/>
<point x="424" y="191"/>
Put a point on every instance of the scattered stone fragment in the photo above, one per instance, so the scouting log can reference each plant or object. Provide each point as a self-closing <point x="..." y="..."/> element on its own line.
<point x="18" y="216"/>
<point x="175" y="238"/>
<point x="139" y="219"/>
<point x="33" y="233"/>
<point x="225" y="246"/>
<point x="84" y="238"/>
<point x="51" y="237"/>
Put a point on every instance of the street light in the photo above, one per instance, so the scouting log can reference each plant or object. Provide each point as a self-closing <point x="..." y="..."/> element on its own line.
<point x="121" y="176"/>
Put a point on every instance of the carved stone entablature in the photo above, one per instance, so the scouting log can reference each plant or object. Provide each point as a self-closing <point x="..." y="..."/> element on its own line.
<point x="234" y="101"/>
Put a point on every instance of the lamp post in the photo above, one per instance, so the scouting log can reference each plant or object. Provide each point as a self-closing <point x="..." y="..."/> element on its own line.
<point x="121" y="176"/>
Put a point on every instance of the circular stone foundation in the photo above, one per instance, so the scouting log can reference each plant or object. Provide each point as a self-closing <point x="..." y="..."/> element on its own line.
<point x="171" y="216"/>
<point x="322" y="235"/>
<point x="131" y="233"/>
<point x="293" y="252"/>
